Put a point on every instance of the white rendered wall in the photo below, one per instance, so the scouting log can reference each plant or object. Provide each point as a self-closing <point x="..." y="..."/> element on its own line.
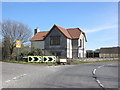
<point x="69" y="48"/>
<point x="80" y="50"/>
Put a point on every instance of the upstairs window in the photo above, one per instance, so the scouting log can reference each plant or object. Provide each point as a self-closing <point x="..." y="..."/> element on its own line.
<point x="80" y="43"/>
<point x="55" y="40"/>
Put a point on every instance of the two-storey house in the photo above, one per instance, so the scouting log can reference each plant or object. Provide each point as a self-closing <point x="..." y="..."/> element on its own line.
<point x="69" y="43"/>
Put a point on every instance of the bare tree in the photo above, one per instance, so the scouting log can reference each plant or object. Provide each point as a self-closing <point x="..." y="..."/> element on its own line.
<point x="12" y="31"/>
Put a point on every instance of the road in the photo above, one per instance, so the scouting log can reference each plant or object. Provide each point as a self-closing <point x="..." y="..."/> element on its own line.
<point x="89" y="75"/>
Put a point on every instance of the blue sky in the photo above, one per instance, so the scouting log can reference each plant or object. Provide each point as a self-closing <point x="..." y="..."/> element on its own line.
<point x="98" y="19"/>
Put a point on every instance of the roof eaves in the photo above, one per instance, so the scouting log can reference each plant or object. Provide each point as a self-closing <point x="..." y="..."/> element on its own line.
<point x="84" y="34"/>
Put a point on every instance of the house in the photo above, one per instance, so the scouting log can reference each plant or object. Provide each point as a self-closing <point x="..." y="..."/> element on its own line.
<point x="68" y="43"/>
<point x="109" y="52"/>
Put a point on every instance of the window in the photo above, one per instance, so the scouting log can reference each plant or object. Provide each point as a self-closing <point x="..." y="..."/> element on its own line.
<point x="55" y="40"/>
<point x="80" y="43"/>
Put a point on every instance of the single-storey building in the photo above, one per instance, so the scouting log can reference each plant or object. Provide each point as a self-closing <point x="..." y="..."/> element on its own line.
<point x="68" y="43"/>
<point x="92" y="53"/>
<point x="109" y="52"/>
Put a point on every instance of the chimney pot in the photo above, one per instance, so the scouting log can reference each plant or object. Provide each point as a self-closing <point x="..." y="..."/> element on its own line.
<point x="36" y="31"/>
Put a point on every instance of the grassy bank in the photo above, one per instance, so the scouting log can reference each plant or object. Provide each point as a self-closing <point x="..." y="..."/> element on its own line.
<point x="51" y="63"/>
<point x="33" y="63"/>
<point x="80" y="62"/>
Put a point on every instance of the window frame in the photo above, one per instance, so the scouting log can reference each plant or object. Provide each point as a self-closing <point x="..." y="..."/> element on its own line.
<point x="54" y="40"/>
<point x="80" y="42"/>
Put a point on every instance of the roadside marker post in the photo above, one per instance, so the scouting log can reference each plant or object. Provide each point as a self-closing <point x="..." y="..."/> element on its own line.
<point x="18" y="46"/>
<point x="49" y="59"/>
<point x="41" y="59"/>
<point x="34" y="58"/>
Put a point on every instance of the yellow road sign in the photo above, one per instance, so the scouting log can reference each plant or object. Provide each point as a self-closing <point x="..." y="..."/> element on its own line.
<point x="18" y="44"/>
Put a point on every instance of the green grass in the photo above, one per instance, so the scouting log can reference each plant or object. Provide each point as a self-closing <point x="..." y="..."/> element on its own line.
<point x="51" y="63"/>
<point x="14" y="61"/>
<point x="33" y="63"/>
<point x="80" y="62"/>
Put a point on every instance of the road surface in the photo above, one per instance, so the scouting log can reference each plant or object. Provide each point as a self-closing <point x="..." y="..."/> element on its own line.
<point x="89" y="75"/>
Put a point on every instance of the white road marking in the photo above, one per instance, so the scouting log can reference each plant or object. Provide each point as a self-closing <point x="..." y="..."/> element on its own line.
<point x="101" y="85"/>
<point x="94" y="71"/>
<point x="104" y="65"/>
<point x="7" y="81"/>
<point x="98" y="81"/>
<point x="15" y="78"/>
<point x="101" y="66"/>
<point x="23" y="75"/>
<point x="53" y="66"/>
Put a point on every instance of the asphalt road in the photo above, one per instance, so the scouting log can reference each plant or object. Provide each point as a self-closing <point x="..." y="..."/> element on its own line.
<point x="93" y="75"/>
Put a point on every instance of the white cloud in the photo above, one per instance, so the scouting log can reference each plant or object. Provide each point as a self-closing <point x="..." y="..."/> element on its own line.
<point x="101" y="28"/>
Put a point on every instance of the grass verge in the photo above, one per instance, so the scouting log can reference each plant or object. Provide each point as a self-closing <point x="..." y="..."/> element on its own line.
<point x="80" y="62"/>
<point x="33" y="63"/>
<point x="51" y="63"/>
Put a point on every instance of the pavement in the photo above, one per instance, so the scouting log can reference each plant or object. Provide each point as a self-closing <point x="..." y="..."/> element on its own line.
<point x="89" y="75"/>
